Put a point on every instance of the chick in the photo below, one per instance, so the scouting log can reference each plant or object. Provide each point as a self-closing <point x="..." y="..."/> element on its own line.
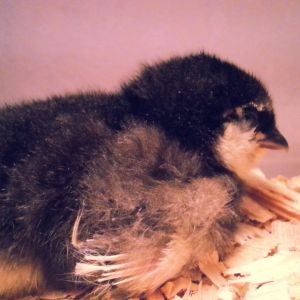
<point x="130" y="189"/>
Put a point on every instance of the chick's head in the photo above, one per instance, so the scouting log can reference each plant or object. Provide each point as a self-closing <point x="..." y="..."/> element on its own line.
<point x="208" y="105"/>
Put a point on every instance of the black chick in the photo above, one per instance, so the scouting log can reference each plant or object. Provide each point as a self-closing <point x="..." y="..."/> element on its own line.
<point x="131" y="189"/>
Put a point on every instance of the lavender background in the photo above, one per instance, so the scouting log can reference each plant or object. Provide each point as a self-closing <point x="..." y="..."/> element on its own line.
<point x="55" y="46"/>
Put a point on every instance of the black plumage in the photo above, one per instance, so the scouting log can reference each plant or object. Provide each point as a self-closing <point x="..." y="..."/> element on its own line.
<point x="152" y="170"/>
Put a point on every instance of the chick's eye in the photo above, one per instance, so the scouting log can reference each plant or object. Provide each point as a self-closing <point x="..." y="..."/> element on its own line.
<point x="233" y="115"/>
<point x="251" y="114"/>
<point x="266" y="120"/>
<point x="230" y="116"/>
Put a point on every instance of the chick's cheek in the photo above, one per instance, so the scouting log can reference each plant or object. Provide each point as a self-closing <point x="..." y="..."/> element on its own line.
<point x="237" y="148"/>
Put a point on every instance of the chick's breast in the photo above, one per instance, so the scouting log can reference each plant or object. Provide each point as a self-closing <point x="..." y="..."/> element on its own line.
<point x="148" y="213"/>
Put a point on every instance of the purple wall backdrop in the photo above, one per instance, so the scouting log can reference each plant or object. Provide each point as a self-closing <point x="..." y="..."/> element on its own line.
<point x="57" y="46"/>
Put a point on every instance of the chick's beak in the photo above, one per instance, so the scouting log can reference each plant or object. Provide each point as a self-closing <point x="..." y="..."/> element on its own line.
<point x="274" y="140"/>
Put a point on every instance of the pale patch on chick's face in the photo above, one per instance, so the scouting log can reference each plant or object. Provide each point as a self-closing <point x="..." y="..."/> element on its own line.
<point x="238" y="148"/>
